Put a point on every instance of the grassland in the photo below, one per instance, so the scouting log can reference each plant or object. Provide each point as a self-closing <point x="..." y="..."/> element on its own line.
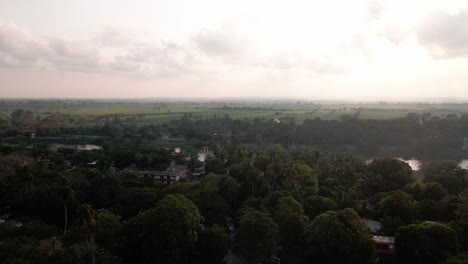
<point x="76" y="112"/>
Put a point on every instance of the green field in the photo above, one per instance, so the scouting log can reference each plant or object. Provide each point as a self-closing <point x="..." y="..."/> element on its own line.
<point x="76" y="112"/>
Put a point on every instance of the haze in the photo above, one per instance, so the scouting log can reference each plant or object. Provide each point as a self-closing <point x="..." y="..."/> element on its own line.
<point x="211" y="48"/>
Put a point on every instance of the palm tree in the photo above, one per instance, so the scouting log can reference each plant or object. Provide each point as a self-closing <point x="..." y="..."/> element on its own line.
<point x="66" y="195"/>
<point x="230" y="186"/>
<point x="54" y="248"/>
<point x="87" y="217"/>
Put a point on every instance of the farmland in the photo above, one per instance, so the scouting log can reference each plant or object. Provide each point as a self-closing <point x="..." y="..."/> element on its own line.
<point x="76" y="112"/>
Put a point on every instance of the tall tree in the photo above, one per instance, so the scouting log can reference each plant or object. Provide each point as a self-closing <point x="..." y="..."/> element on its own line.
<point x="166" y="234"/>
<point x="425" y="243"/>
<point x="256" y="236"/>
<point x="291" y="221"/>
<point x="340" y="237"/>
<point x="87" y="225"/>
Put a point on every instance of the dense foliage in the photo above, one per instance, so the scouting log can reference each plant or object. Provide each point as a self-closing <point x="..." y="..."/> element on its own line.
<point x="255" y="204"/>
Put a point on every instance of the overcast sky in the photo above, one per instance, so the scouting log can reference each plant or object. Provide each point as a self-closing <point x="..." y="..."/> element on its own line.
<point x="333" y="49"/>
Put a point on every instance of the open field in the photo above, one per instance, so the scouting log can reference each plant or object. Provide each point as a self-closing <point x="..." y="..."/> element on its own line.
<point x="75" y="112"/>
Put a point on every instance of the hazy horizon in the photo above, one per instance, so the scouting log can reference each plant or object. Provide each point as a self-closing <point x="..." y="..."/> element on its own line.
<point x="434" y="100"/>
<point x="365" y="50"/>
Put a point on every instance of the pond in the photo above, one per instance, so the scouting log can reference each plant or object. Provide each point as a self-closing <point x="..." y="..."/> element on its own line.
<point x="416" y="164"/>
<point x="78" y="147"/>
<point x="464" y="164"/>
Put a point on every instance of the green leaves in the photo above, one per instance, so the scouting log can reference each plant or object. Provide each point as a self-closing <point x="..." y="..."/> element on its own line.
<point x="257" y="235"/>
<point x="425" y="243"/>
<point x="168" y="233"/>
<point x="340" y="237"/>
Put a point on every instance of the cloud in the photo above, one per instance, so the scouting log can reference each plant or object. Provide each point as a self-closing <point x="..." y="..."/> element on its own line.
<point x="116" y="37"/>
<point x="445" y="35"/>
<point x="210" y="52"/>
<point x="374" y="8"/>
<point x="19" y="48"/>
<point x="163" y="59"/>
<point x="233" y="48"/>
<point x="301" y="62"/>
<point x="224" y="41"/>
<point x="22" y="49"/>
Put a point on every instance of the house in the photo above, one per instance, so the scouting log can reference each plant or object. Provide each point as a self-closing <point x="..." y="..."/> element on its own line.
<point x="200" y="172"/>
<point x="384" y="245"/>
<point x="171" y="175"/>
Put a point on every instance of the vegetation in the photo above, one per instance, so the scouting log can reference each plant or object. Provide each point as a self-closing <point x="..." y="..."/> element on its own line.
<point x="264" y="191"/>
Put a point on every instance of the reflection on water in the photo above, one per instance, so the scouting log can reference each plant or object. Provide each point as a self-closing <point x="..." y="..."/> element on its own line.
<point x="416" y="164"/>
<point x="78" y="147"/>
<point x="464" y="164"/>
<point x="413" y="163"/>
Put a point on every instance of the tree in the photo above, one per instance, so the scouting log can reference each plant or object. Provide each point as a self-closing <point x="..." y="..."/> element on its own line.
<point x="109" y="231"/>
<point x="430" y="210"/>
<point x="273" y="200"/>
<point x="291" y="222"/>
<point x="448" y="174"/>
<point x="229" y="188"/>
<point x="21" y="117"/>
<point x="315" y="205"/>
<point x="166" y="234"/>
<point x="425" y="243"/>
<point x="461" y="227"/>
<point x="340" y="237"/>
<point x="397" y="204"/>
<point x="461" y="258"/>
<point x="21" y="250"/>
<point x="426" y="190"/>
<point x="395" y="173"/>
<point x="434" y="191"/>
<point x="135" y="200"/>
<point x="209" y="200"/>
<point x="66" y="194"/>
<point x="257" y="235"/>
<point x="212" y="246"/>
<point x="87" y="226"/>
<point x="104" y="191"/>
<point x="4" y="121"/>
<point x="215" y="165"/>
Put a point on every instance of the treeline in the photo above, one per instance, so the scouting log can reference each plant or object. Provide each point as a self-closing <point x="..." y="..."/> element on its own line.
<point x="299" y="206"/>
<point x="420" y="135"/>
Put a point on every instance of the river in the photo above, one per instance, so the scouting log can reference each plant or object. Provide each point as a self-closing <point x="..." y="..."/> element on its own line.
<point x="416" y="164"/>
<point x="78" y="147"/>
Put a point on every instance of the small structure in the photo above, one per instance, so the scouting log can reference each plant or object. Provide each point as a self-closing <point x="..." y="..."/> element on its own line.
<point x="373" y="225"/>
<point x="384" y="245"/>
<point x="171" y="175"/>
<point x="203" y="156"/>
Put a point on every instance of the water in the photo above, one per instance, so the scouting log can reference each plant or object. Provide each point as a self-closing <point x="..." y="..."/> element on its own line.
<point x="78" y="147"/>
<point x="415" y="164"/>
<point x="464" y="164"/>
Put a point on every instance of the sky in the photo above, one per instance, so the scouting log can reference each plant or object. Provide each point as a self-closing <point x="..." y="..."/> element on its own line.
<point x="334" y="49"/>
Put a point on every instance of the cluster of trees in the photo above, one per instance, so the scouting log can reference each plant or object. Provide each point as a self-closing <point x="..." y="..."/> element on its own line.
<point x="418" y="134"/>
<point x="300" y="206"/>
